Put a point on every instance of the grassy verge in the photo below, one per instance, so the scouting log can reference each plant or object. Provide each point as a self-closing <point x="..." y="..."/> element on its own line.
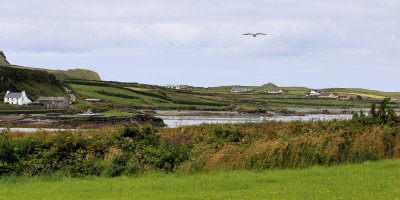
<point x="369" y="180"/>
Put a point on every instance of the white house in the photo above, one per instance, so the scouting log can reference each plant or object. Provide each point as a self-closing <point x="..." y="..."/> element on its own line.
<point x="240" y="90"/>
<point x="19" y="98"/>
<point x="314" y="93"/>
<point x="177" y="87"/>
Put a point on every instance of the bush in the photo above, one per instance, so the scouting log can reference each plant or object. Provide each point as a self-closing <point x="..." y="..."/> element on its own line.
<point x="118" y="165"/>
<point x="385" y="115"/>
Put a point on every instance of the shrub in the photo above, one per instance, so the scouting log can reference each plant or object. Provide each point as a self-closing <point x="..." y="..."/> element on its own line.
<point x="118" y="165"/>
<point x="385" y="115"/>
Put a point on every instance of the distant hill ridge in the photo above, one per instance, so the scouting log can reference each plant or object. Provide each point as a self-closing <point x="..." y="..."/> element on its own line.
<point x="71" y="74"/>
<point x="82" y="74"/>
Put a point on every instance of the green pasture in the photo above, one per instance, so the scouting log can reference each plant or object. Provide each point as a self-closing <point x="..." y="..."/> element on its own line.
<point x="219" y="98"/>
<point x="369" y="180"/>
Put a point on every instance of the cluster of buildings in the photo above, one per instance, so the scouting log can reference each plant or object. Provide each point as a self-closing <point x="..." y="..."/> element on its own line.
<point x="241" y="90"/>
<point x="20" y="98"/>
<point x="276" y="91"/>
<point x="178" y="87"/>
<point x="329" y="95"/>
<point x="273" y="91"/>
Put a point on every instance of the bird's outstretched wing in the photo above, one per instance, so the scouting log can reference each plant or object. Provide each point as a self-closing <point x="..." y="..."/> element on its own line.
<point x="247" y="34"/>
<point x="261" y="34"/>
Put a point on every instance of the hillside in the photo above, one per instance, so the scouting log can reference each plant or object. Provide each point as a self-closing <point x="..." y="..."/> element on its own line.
<point x="3" y="60"/>
<point x="35" y="82"/>
<point x="115" y="94"/>
<point x="82" y="74"/>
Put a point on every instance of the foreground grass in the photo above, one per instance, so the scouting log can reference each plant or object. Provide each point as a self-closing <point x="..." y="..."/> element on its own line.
<point x="369" y="180"/>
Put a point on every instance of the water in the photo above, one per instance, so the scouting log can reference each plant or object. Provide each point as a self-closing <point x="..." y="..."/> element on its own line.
<point x="176" y="121"/>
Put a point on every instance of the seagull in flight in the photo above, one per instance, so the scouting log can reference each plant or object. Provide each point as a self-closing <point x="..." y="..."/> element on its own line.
<point x="254" y="34"/>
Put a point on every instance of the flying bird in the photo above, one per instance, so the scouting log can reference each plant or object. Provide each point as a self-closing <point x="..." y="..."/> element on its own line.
<point x="254" y="34"/>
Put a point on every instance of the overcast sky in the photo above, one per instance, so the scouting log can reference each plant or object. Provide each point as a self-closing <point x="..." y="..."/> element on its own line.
<point x="312" y="43"/>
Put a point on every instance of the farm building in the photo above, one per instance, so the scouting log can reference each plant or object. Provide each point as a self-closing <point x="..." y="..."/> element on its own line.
<point x="240" y="90"/>
<point x="52" y="102"/>
<point x="276" y="91"/>
<point x="344" y="97"/>
<point x="314" y="93"/>
<point x="327" y="95"/>
<point x="19" y="98"/>
<point x="93" y="100"/>
<point x="398" y="100"/>
<point x="177" y="87"/>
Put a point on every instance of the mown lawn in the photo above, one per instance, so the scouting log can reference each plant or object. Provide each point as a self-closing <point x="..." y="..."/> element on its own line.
<point x="369" y="180"/>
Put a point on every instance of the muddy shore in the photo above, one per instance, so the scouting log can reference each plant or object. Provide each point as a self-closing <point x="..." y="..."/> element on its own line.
<point x="153" y="117"/>
<point x="286" y="112"/>
<point x="62" y="122"/>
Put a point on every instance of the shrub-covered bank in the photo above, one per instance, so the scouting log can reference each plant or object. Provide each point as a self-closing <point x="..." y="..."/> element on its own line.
<point x="266" y="145"/>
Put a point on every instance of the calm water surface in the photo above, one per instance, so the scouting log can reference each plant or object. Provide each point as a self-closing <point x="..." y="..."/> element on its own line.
<point x="176" y="121"/>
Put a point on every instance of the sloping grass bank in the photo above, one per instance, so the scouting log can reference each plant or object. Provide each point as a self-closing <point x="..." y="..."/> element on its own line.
<point x="370" y="180"/>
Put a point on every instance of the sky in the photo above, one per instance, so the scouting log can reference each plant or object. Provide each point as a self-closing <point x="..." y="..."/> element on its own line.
<point x="311" y="43"/>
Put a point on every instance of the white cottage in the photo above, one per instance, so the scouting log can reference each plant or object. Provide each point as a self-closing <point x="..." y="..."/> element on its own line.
<point x="19" y="98"/>
<point x="314" y="93"/>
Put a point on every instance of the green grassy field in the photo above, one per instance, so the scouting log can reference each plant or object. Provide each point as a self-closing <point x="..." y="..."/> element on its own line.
<point x="219" y="98"/>
<point x="369" y="180"/>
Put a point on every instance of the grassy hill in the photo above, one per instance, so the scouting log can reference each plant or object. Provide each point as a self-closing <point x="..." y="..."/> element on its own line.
<point x="83" y="74"/>
<point x="35" y="82"/>
<point x="60" y="74"/>
<point x="135" y="95"/>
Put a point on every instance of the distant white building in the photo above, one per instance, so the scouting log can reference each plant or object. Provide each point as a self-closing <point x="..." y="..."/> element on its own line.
<point x="276" y="91"/>
<point x="314" y="93"/>
<point x="240" y="90"/>
<point x="177" y="87"/>
<point x="19" y="98"/>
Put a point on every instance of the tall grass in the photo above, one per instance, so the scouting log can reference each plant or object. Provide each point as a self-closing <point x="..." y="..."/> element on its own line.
<point x="134" y="150"/>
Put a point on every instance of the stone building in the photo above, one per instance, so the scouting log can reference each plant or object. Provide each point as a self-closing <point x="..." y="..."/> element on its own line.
<point x="52" y="102"/>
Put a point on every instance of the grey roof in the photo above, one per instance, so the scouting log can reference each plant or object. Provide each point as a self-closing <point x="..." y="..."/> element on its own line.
<point x="52" y="99"/>
<point x="92" y="99"/>
<point x="239" y="89"/>
<point x="325" y="94"/>
<point x="13" y="95"/>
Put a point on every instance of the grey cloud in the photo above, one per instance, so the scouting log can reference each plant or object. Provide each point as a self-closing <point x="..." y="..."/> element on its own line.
<point x="165" y="35"/>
